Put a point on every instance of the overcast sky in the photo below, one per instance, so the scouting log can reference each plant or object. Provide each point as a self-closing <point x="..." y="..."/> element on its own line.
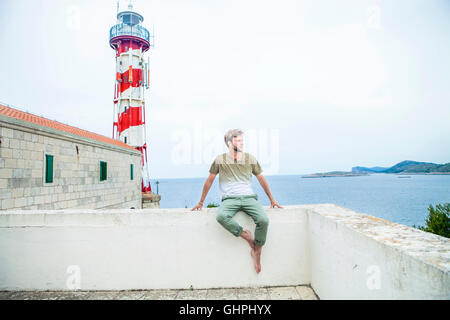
<point x="316" y="85"/>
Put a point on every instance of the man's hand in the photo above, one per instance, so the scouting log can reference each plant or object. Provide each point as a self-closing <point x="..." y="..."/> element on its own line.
<point x="273" y="204"/>
<point x="206" y="186"/>
<point x="199" y="206"/>
<point x="265" y="186"/>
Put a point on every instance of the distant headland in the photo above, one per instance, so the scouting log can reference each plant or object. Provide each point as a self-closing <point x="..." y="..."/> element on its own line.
<point x="401" y="168"/>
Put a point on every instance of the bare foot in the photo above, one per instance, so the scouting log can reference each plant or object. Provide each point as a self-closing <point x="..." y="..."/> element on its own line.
<point x="247" y="235"/>
<point x="256" y="260"/>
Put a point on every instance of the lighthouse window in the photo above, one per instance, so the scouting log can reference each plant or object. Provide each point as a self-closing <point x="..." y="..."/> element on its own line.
<point x="48" y="168"/>
<point x="125" y="139"/>
<point x="131" y="171"/>
<point x="126" y="19"/>
<point x="130" y="19"/>
<point x="103" y="171"/>
<point x="135" y="19"/>
<point x="125" y="110"/>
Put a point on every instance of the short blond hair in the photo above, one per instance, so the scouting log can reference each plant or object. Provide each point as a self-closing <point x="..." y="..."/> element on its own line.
<point x="231" y="134"/>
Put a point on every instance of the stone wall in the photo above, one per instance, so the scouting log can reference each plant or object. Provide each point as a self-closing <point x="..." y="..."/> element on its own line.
<point x="76" y="174"/>
<point x="150" y="200"/>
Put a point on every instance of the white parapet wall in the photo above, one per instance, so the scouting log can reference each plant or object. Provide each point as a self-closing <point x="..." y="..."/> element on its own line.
<point x="146" y="249"/>
<point x="358" y="256"/>
<point x="342" y="254"/>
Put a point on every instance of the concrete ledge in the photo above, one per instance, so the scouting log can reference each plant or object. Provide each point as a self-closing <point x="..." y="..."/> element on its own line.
<point x="342" y="254"/>
<point x="261" y="293"/>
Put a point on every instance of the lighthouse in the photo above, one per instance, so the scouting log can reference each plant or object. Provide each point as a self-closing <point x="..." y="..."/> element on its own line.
<point x="130" y="41"/>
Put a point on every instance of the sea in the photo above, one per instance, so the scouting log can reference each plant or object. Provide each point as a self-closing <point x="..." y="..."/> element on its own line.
<point x="401" y="200"/>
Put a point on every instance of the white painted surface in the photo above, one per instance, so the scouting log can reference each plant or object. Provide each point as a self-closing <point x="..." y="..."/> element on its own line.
<point x="135" y="135"/>
<point x="357" y="256"/>
<point x="336" y="250"/>
<point x="146" y="249"/>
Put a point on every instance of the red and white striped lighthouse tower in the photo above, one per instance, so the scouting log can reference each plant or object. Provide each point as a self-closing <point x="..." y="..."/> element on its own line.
<point x="131" y="41"/>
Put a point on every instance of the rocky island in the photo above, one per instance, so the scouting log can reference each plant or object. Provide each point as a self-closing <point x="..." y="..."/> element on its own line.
<point x="406" y="167"/>
<point x="334" y="174"/>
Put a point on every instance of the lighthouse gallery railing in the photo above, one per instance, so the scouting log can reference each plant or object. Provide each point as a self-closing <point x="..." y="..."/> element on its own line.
<point x="126" y="29"/>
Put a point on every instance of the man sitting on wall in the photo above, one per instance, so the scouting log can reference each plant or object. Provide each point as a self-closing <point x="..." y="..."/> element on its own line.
<point x="235" y="170"/>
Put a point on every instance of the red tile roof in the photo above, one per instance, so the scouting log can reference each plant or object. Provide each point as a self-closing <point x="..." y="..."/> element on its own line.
<point x="44" y="122"/>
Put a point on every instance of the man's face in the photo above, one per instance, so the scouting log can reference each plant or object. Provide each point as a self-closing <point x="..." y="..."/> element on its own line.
<point x="238" y="143"/>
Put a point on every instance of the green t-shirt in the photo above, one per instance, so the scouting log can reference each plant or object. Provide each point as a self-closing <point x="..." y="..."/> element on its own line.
<point x="235" y="176"/>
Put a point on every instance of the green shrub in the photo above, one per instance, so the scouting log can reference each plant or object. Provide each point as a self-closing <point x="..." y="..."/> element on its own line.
<point x="438" y="220"/>
<point x="212" y="205"/>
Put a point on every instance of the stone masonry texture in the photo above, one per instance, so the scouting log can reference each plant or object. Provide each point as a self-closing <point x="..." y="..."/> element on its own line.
<point x="76" y="172"/>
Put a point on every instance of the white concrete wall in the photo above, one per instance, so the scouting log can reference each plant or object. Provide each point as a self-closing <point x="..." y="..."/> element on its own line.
<point x="341" y="253"/>
<point x="357" y="256"/>
<point x="146" y="249"/>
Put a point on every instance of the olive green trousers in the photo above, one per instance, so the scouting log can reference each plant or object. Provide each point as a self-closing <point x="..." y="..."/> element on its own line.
<point x="249" y="204"/>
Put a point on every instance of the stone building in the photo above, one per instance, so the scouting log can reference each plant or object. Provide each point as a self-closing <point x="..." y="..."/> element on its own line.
<point x="45" y="164"/>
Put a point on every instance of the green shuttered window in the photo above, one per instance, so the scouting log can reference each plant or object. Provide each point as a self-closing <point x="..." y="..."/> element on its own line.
<point x="131" y="171"/>
<point x="48" y="168"/>
<point x="103" y="171"/>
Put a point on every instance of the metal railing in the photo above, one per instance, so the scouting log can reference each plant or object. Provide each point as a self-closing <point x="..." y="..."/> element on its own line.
<point x="126" y="29"/>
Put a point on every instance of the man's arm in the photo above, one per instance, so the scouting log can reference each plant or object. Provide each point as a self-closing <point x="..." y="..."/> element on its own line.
<point x="265" y="186"/>
<point x="208" y="183"/>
